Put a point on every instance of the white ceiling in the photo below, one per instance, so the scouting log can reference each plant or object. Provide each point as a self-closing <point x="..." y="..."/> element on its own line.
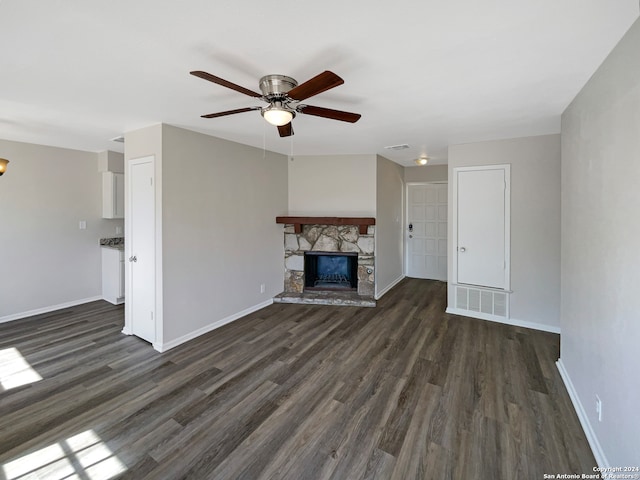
<point x="429" y="73"/>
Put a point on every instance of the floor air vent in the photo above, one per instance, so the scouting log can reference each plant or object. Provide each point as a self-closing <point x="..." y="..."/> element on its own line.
<point x="479" y="300"/>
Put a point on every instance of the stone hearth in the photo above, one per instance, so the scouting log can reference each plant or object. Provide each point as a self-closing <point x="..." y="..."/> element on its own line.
<point x="346" y="299"/>
<point x="328" y="238"/>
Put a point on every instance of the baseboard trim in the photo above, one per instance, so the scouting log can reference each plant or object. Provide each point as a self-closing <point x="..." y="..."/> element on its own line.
<point x="163" y="347"/>
<point x="596" y="448"/>
<point x="51" y="308"/>
<point x="506" y="321"/>
<point x="389" y="287"/>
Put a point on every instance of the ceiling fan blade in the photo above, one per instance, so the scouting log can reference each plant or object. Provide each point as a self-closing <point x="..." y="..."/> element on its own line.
<point x="285" y="130"/>
<point x="230" y="112"/>
<point x="329" y="113"/>
<point x="318" y="84"/>
<point x="225" y="83"/>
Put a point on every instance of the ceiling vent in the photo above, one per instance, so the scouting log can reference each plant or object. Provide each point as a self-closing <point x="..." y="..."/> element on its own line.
<point x="402" y="146"/>
<point x="119" y="139"/>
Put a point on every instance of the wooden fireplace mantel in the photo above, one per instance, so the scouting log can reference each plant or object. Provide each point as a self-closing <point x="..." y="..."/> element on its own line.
<point x="361" y="222"/>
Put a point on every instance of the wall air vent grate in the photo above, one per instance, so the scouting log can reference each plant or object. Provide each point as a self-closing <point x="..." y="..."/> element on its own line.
<point x="489" y="302"/>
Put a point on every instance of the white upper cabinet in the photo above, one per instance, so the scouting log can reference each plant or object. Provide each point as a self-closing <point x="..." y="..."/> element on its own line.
<point x="112" y="195"/>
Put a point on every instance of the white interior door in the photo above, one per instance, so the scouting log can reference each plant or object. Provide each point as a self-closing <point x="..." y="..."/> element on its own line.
<point x="141" y="246"/>
<point x="482" y="220"/>
<point x="427" y="231"/>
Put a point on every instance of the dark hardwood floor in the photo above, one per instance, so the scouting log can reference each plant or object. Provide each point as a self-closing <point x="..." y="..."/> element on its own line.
<point x="401" y="391"/>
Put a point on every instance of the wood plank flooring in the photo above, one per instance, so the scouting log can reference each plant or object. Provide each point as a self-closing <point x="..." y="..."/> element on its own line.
<point x="401" y="391"/>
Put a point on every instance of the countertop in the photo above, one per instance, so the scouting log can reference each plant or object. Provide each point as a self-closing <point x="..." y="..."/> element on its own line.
<point x="117" y="243"/>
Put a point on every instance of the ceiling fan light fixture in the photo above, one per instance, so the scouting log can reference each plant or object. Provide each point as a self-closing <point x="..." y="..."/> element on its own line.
<point x="3" y="165"/>
<point x="422" y="161"/>
<point x="277" y="115"/>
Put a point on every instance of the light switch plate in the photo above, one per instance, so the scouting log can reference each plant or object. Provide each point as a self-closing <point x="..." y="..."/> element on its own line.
<point x="82" y="224"/>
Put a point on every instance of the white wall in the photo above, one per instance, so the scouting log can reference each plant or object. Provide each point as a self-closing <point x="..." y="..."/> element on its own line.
<point x="332" y="185"/>
<point x="535" y="221"/>
<point x="389" y="221"/>
<point x="220" y="239"/>
<point x="47" y="261"/>
<point x="600" y="341"/>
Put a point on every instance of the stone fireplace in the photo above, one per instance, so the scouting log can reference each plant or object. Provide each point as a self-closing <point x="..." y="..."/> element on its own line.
<point x="330" y="258"/>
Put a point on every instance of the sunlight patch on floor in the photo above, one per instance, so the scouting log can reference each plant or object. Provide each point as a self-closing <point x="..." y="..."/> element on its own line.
<point x="83" y="456"/>
<point x="15" y="371"/>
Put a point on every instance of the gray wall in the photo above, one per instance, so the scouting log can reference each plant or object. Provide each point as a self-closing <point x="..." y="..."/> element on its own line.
<point x="600" y="262"/>
<point x="109" y="161"/>
<point x="389" y="221"/>
<point x="428" y="173"/>
<point x="220" y="239"/>
<point x="535" y="221"/>
<point x="47" y="261"/>
<point x="332" y="185"/>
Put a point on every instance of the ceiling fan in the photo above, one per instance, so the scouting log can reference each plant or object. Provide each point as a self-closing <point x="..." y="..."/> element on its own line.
<point x="283" y="94"/>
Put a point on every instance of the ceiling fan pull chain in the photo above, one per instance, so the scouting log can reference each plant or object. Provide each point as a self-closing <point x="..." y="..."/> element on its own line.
<point x="264" y="141"/>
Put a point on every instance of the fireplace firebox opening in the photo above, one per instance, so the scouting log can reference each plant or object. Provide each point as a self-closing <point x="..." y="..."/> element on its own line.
<point x="330" y="271"/>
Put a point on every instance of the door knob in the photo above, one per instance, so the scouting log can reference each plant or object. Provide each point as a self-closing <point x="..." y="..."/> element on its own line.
<point x="134" y="258"/>
<point x="410" y="236"/>
<point x="462" y="249"/>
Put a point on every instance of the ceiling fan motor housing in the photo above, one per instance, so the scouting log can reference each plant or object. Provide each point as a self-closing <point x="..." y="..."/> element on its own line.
<point x="276" y="85"/>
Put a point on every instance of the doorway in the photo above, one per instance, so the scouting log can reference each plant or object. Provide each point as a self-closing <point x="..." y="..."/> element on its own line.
<point x="141" y="233"/>
<point x="481" y="226"/>
<point x="426" y="231"/>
